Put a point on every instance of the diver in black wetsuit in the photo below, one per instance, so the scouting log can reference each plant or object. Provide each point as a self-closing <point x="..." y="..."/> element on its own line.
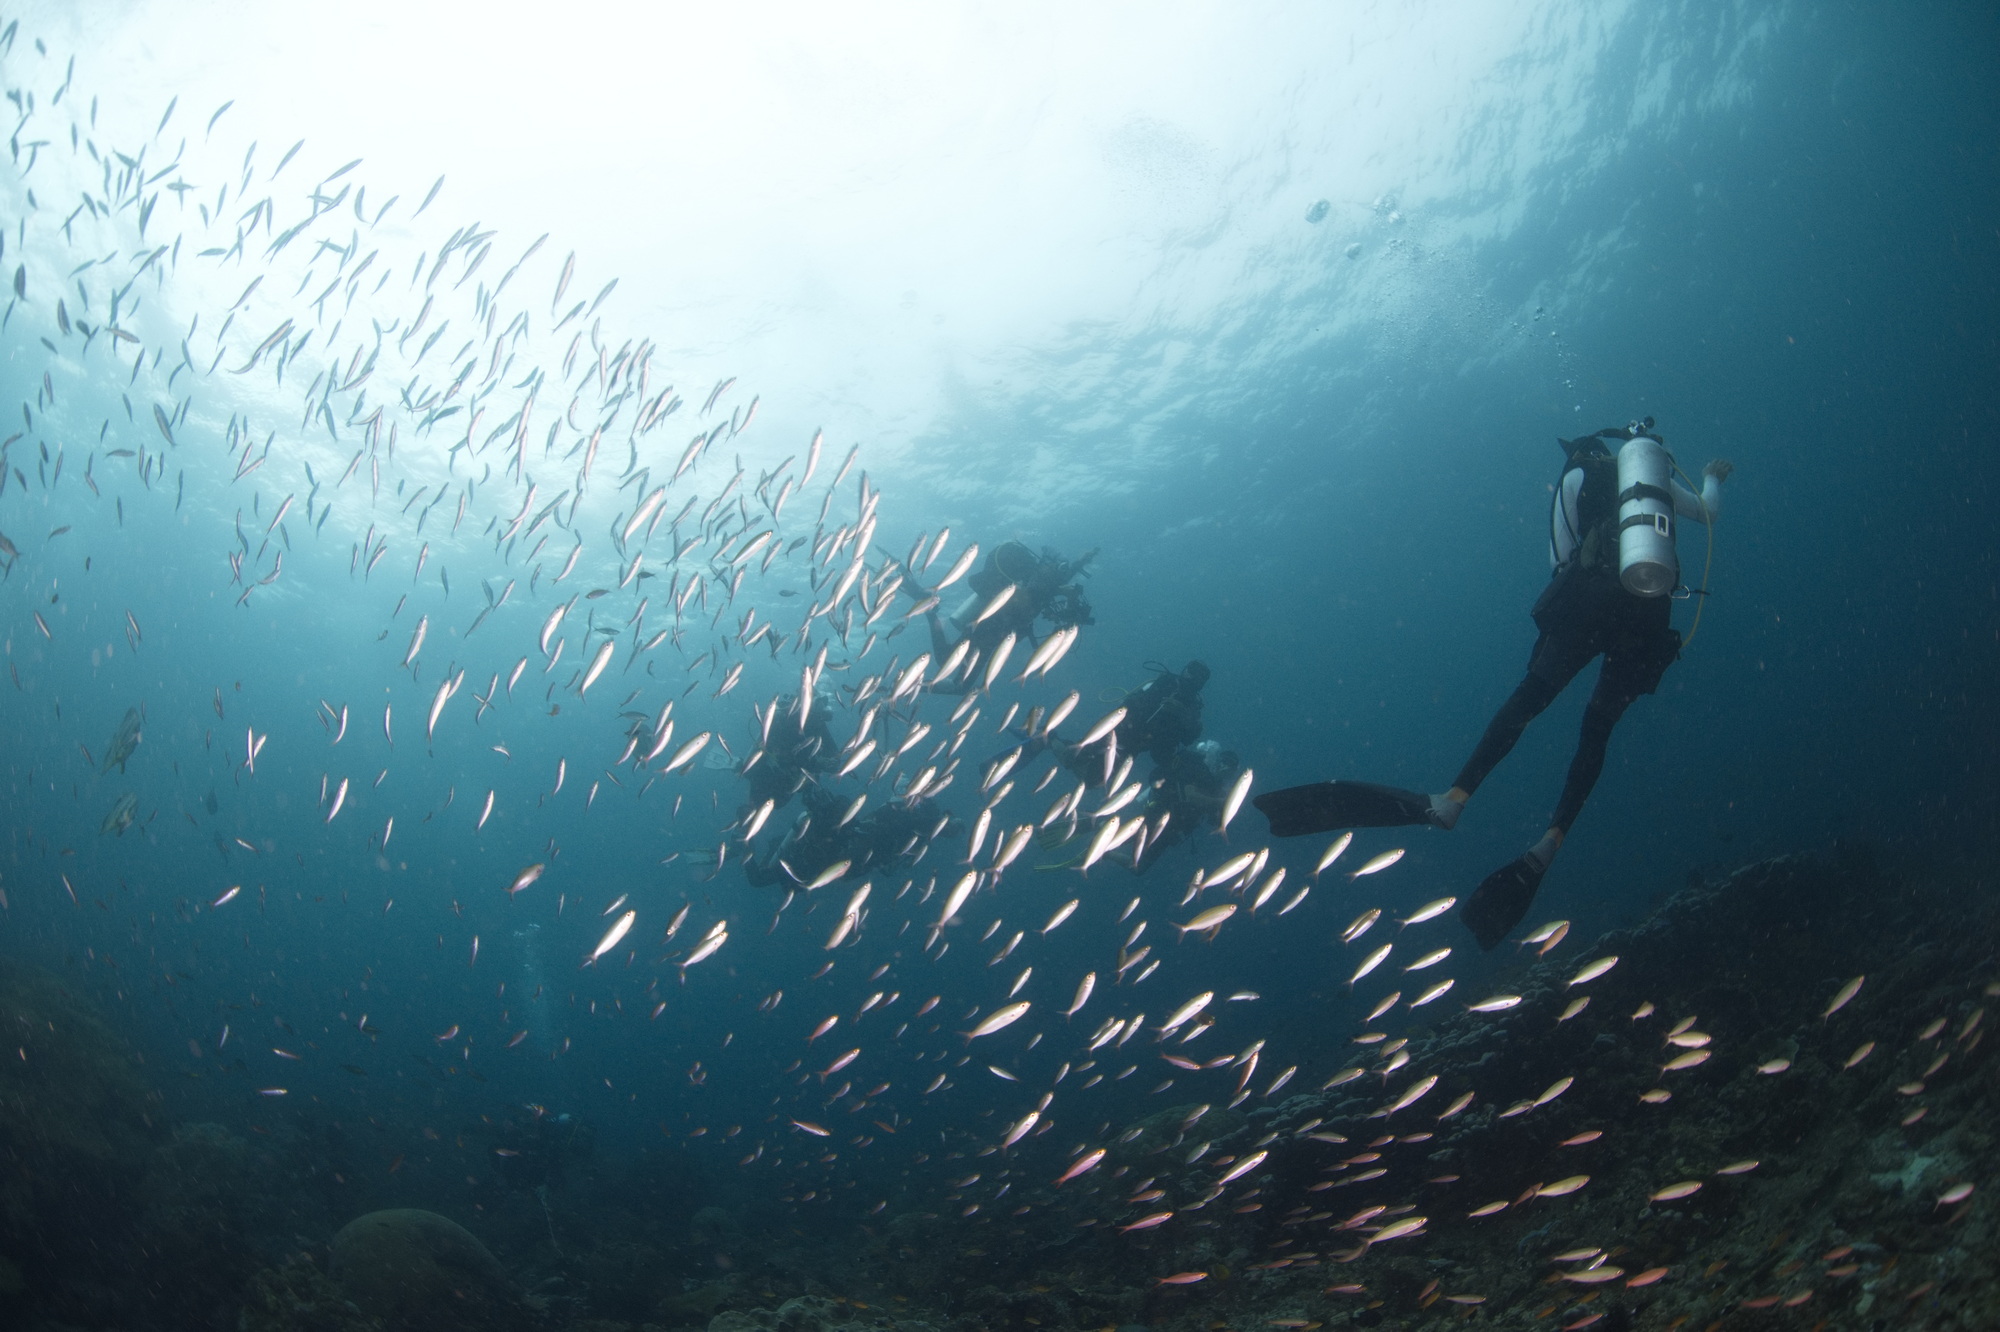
<point x="1611" y="533"/>
<point x="793" y="754"/>
<point x="1044" y="586"/>
<point x="820" y="838"/>
<point x="1162" y="717"/>
<point x="1184" y="796"/>
<point x="816" y="839"/>
<point x="537" y="1150"/>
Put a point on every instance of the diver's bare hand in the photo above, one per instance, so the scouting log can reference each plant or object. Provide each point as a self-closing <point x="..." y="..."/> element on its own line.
<point x="1719" y="469"/>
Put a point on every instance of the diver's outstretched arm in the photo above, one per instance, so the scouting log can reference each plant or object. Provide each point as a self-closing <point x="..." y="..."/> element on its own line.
<point x="1704" y="507"/>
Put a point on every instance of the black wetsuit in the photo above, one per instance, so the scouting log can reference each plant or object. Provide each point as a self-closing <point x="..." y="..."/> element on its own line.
<point x="1041" y="585"/>
<point x="1163" y="716"/>
<point x="1162" y="719"/>
<point x="869" y="843"/>
<point x="1190" y="793"/>
<point x="1585" y="612"/>
<point x="815" y="840"/>
<point x="792" y="754"/>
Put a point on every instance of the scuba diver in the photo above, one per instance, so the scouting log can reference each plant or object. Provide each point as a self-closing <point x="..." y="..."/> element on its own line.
<point x="1189" y="782"/>
<point x="537" y="1150"/>
<point x="1044" y="586"/>
<point x="792" y="753"/>
<point x="1162" y="717"/>
<point x="1184" y="796"/>
<point x="902" y="828"/>
<point x="1611" y="542"/>
<point x="817" y="838"/>
<point x="823" y="835"/>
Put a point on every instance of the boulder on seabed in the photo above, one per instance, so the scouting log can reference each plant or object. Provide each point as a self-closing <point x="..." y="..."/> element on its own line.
<point x="417" y="1270"/>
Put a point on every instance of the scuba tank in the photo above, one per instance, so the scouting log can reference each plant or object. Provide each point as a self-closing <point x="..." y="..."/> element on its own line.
<point x="967" y="613"/>
<point x="1647" y="563"/>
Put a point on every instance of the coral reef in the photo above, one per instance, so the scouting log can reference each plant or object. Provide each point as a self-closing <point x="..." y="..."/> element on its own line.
<point x="813" y="1313"/>
<point x="296" y="1296"/>
<point x="215" y="1207"/>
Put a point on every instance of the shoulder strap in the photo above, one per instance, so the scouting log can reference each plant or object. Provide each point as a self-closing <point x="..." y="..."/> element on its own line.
<point x="1596" y="502"/>
<point x="1578" y="452"/>
<point x="1597" y="509"/>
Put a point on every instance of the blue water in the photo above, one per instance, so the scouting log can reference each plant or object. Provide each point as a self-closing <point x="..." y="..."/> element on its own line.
<point x="1325" y="474"/>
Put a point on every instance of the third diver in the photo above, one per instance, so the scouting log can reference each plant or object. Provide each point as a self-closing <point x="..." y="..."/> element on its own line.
<point x="1009" y="593"/>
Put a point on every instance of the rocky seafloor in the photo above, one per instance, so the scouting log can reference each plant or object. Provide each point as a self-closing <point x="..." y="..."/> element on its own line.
<point x="1832" y="1155"/>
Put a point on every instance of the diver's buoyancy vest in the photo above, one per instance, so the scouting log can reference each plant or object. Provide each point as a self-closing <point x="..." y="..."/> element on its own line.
<point x="1009" y="562"/>
<point x="1161" y="711"/>
<point x="1595" y="521"/>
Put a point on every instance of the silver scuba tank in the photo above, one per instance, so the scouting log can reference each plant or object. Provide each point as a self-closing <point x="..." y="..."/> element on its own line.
<point x="1647" y="563"/>
<point x="967" y="613"/>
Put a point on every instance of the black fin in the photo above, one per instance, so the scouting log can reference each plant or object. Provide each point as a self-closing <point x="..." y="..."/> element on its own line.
<point x="1325" y="806"/>
<point x="1502" y="900"/>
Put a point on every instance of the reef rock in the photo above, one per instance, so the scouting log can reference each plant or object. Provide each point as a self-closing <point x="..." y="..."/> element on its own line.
<point x="298" y="1297"/>
<point x="417" y="1270"/>
<point x="1768" y="1100"/>
<point x="74" y="1137"/>
<point x="808" y="1313"/>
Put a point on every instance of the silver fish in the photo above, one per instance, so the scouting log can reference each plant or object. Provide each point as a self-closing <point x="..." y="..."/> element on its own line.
<point x="123" y="741"/>
<point x="121" y="815"/>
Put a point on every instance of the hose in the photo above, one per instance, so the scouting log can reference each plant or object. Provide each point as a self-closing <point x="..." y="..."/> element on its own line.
<point x="1708" y="560"/>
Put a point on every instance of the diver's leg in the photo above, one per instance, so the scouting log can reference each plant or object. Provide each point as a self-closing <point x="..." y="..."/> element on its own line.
<point x="1614" y="693"/>
<point x="1565" y="646"/>
<point x="1642" y="646"/>
<point x="1321" y="806"/>
<point x="1633" y="665"/>
<point x="1504" y="896"/>
<point x="1607" y="705"/>
<point x="1570" y="622"/>
<point x="1528" y="701"/>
